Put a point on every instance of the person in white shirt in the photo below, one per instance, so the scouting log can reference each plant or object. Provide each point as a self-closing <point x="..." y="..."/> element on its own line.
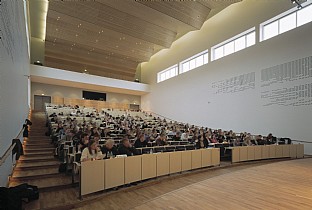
<point x="92" y="152"/>
<point x="185" y="135"/>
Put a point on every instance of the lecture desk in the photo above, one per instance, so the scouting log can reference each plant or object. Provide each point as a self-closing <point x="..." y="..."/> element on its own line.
<point x="110" y="173"/>
<point x="261" y="152"/>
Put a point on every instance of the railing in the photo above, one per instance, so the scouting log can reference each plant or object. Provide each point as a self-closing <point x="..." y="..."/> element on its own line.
<point x="158" y="115"/>
<point x="9" y="150"/>
<point x="300" y="141"/>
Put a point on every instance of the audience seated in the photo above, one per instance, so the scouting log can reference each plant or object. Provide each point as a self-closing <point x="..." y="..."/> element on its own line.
<point x="109" y="149"/>
<point x="140" y="142"/>
<point x="177" y="136"/>
<point x="92" y="152"/>
<point x="185" y="135"/>
<point x="125" y="148"/>
<point x="81" y="125"/>
<point x="161" y="140"/>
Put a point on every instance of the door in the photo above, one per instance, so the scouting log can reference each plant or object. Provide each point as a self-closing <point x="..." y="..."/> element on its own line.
<point x="39" y="102"/>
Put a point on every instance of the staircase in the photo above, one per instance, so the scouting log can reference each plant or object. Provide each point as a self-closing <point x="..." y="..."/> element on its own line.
<point x="38" y="166"/>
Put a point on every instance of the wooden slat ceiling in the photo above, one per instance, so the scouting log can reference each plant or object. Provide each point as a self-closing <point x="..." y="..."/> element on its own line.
<point x="111" y="37"/>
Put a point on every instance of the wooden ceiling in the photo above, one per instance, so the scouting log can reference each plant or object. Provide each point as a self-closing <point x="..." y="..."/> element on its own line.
<point x="111" y="37"/>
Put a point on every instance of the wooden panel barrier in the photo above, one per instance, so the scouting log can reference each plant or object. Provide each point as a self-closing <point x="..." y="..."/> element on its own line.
<point x="133" y="168"/>
<point x="258" y="152"/>
<point x="206" y="159"/>
<point x="162" y="164"/>
<point x="196" y="159"/>
<point x="92" y="176"/>
<point x="250" y="153"/>
<point x="300" y="150"/>
<point x="175" y="162"/>
<point x="235" y="154"/>
<point x="114" y="172"/>
<point x="286" y="150"/>
<point x="215" y="156"/>
<point x="244" y="153"/>
<point x="186" y="158"/>
<point x="148" y="166"/>
<point x="105" y="174"/>
<point x="279" y="151"/>
<point x="293" y="151"/>
<point x="272" y="151"/>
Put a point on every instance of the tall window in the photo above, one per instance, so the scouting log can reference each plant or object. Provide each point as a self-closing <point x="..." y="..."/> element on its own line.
<point x="167" y="73"/>
<point x="234" y="44"/>
<point x="286" y="21"/>
<point x="194" y="62"/>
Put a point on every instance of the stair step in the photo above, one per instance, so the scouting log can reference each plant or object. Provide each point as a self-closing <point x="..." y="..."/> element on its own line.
<point x="36" y="149"/>
<point x="54" y="182"/>
<point x="35" y="173"/>
<point x="38" y="141"/>
<point x="36" y="158"/>
<point x="43" y="145"/>
<point x="28" y="154"/>
<point x="36" y="165"/>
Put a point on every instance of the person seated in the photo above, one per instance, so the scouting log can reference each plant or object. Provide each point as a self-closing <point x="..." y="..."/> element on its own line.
<point x="270" y="139"/>
<point x="140" y="142"/>
<point x="161" y="140"/>
<point x="106" y="132"/>
<point x="171" y="132"/>
<point x="109" y="149"/>
<point x="83" y="143"/>
<point x="214" y="139"/>
<point x="201" y="141"/>
<point x="92" y="152"/>
<point x="154" y="135"/>
<point x="236" y="142"/>
<point x="177" y="136"/>
<point x="96" y="137"/>
<point x="185" y="135"/>
<point x="247" y="140"/>
<point x="125" y="148"/>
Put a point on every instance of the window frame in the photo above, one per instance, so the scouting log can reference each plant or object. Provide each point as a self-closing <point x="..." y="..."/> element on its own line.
<point x="277" y="19"/>
<point x="193" y="58"/>
<point x="222" y="45"/>
<point x="164" y="73"/>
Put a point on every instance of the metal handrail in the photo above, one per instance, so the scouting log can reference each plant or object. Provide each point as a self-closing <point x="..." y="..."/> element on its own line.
<point x="308" y="142"/>
<point x="150" y="112"/>
<point x="6" y="154"/>
<point x="9" y="150"/>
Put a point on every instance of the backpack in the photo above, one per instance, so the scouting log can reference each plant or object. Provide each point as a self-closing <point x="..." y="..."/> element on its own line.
<point x="62" y="167"/>
<point x="11" y="198"/>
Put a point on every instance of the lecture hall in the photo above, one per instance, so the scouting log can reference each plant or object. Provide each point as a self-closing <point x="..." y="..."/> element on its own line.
<point x="155" y="104"/>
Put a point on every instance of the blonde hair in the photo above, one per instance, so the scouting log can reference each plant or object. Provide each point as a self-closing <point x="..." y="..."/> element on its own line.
<point x="110" y="141"/>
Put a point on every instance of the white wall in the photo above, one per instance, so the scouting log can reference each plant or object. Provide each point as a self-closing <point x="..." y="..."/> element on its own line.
<point x="14" y="68"/>
<point x="191" y="97"/>
<point x="70" y="92"/>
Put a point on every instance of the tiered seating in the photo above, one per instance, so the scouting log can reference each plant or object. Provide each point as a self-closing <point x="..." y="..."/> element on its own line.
<point x="126" y="122"/>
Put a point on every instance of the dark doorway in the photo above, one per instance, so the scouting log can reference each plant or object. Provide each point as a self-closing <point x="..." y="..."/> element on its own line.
<point x="39" y="102"/>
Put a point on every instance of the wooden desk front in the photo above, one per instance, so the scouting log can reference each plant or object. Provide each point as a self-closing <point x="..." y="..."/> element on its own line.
<point x="92" y="176"/>
<point x="175" y="162"/>
<point x="114" y="172"/>
<point x="148" y="166"/>
<point x="133" y="169"/>
<point x="162" y="164"/>
<point x="206" y="159"/>
<point x="186" y="160"/>
<point x="196" y="159"/>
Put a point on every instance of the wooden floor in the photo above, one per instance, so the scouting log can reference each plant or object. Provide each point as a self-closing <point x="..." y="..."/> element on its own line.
<point x="250" y="185"/>
<point x="280" y="185"/>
